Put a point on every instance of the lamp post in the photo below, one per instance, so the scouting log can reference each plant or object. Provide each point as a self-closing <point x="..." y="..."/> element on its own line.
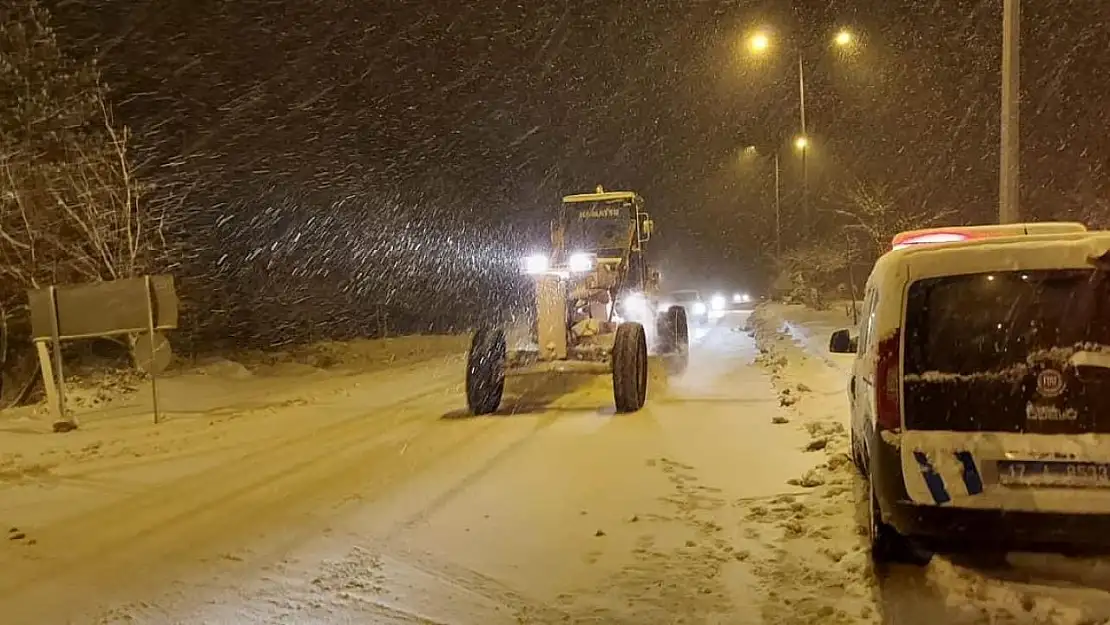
<point x="760" y="43"/>
<point x="751" y="150"/>
<point x="778" y="211"/>
<point x="1009" y="210"/>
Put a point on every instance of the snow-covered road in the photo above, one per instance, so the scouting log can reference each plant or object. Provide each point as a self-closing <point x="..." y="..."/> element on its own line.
<point x="560" y="513"/>
<point x="374" y="498"/>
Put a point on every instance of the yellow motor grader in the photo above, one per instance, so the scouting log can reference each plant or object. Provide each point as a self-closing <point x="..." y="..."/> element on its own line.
<point x="597" y="307"/>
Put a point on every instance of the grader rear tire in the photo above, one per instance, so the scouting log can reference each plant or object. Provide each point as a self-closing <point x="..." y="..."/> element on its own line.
<point x="485" y="371"/>
<point x="665" y="334"/>
<point x="678" y="358"/>
<point x="630" y="367"/>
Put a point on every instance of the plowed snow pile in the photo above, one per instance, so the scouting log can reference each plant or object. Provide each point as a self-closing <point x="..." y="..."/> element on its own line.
<point x="818" y="570"/>
<point x="822" y="572"/>
<point x="207" y="407"/>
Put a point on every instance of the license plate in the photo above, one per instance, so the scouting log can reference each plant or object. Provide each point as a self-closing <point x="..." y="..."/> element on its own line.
<point x="1053" y="473"/>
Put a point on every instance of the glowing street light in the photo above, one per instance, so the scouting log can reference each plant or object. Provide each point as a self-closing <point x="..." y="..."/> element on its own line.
<point x="759" y="43"/>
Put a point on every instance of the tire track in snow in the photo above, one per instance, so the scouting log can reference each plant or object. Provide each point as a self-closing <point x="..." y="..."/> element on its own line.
<point x="339" y="587"/>
<point x="668" y="581"/>
<point x="214" y="507"/>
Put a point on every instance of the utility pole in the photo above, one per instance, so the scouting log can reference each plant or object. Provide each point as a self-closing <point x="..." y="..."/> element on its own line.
<point x="1009" y="166"/>
<point x="805" y="137"/>
<point x="778" y="213"/>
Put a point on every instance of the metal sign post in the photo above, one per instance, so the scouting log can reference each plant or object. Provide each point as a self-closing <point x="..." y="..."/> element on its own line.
<point x="102" y="309"/>
<point x="153" y="347"/>
<point x="65" y="422"/>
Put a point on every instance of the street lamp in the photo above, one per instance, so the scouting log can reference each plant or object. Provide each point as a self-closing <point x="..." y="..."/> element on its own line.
<point x="759" y="43"/>
<point x="751" y="150"/>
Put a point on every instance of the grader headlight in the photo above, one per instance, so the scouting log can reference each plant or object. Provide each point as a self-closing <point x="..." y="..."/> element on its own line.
<point x="580" y="263"/>
<point x="536" y="264"/>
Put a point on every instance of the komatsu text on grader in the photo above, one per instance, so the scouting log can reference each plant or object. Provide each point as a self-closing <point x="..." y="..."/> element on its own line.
<point x="596" y="298"/>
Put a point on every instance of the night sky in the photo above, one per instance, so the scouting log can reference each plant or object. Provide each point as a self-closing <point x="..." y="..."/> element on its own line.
<point x="353" y="150"/>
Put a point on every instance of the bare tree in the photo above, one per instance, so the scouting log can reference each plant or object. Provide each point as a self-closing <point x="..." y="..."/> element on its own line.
<point x="71" y="209"/>
<point x="875" y="209"/>
<point x="807" y="273"/>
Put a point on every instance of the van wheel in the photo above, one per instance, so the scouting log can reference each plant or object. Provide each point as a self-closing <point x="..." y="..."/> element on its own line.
<point x="887" y="545"/>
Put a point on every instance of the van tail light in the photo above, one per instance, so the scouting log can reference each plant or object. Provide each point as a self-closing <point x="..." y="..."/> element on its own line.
<point x="908" y="239"/>
<point x="888" y="383"/>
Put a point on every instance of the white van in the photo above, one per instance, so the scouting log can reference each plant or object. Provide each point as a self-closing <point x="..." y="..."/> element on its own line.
<point x="980" y="392"/>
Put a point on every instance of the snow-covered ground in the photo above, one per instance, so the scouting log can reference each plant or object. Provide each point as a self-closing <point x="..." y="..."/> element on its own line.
<point x="355" y="489"/>
<point x="1027" y="588"/>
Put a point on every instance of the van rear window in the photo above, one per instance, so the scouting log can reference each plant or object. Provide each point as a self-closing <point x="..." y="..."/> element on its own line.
<point x="983" y="323"/>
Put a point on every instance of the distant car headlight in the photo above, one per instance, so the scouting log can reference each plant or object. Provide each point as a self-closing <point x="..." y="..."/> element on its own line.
<point x="536" y="264"/>
<point x="741" y="298"/>
<point x="580" y="262"/>
<point x="635" y="302"/>
<point x="717" y="302"/>
<point x="699" y="308"/>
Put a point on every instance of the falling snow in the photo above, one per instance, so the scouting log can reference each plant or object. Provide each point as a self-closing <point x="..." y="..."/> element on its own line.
<point x="332" y="170"/>
<point x="354" y="154"/>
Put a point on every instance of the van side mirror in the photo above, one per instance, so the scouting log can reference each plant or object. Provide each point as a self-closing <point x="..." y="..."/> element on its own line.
<point x="841" y="342"/>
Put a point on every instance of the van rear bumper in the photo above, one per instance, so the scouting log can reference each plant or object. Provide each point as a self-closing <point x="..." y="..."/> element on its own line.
<point x="943" y="528"/>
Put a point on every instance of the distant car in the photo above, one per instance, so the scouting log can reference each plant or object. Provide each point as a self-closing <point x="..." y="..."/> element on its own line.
<point x="742" y="301"/>
<point x="718" y="304"/>
<point x="980" y="392"/>
<point x="697" y="310"/>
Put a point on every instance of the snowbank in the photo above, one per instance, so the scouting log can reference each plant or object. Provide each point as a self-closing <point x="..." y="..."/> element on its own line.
<point x="94" y="385"/>
<point x="207" y="407"/>
<point x="359" y="355"/>
<point x="819" y="570"/>
<point x="823" y="570"/>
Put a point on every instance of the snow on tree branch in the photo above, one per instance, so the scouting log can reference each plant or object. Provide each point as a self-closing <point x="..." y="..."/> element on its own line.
<point x="71" y="209"/>
<point x="881" y="212"/>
